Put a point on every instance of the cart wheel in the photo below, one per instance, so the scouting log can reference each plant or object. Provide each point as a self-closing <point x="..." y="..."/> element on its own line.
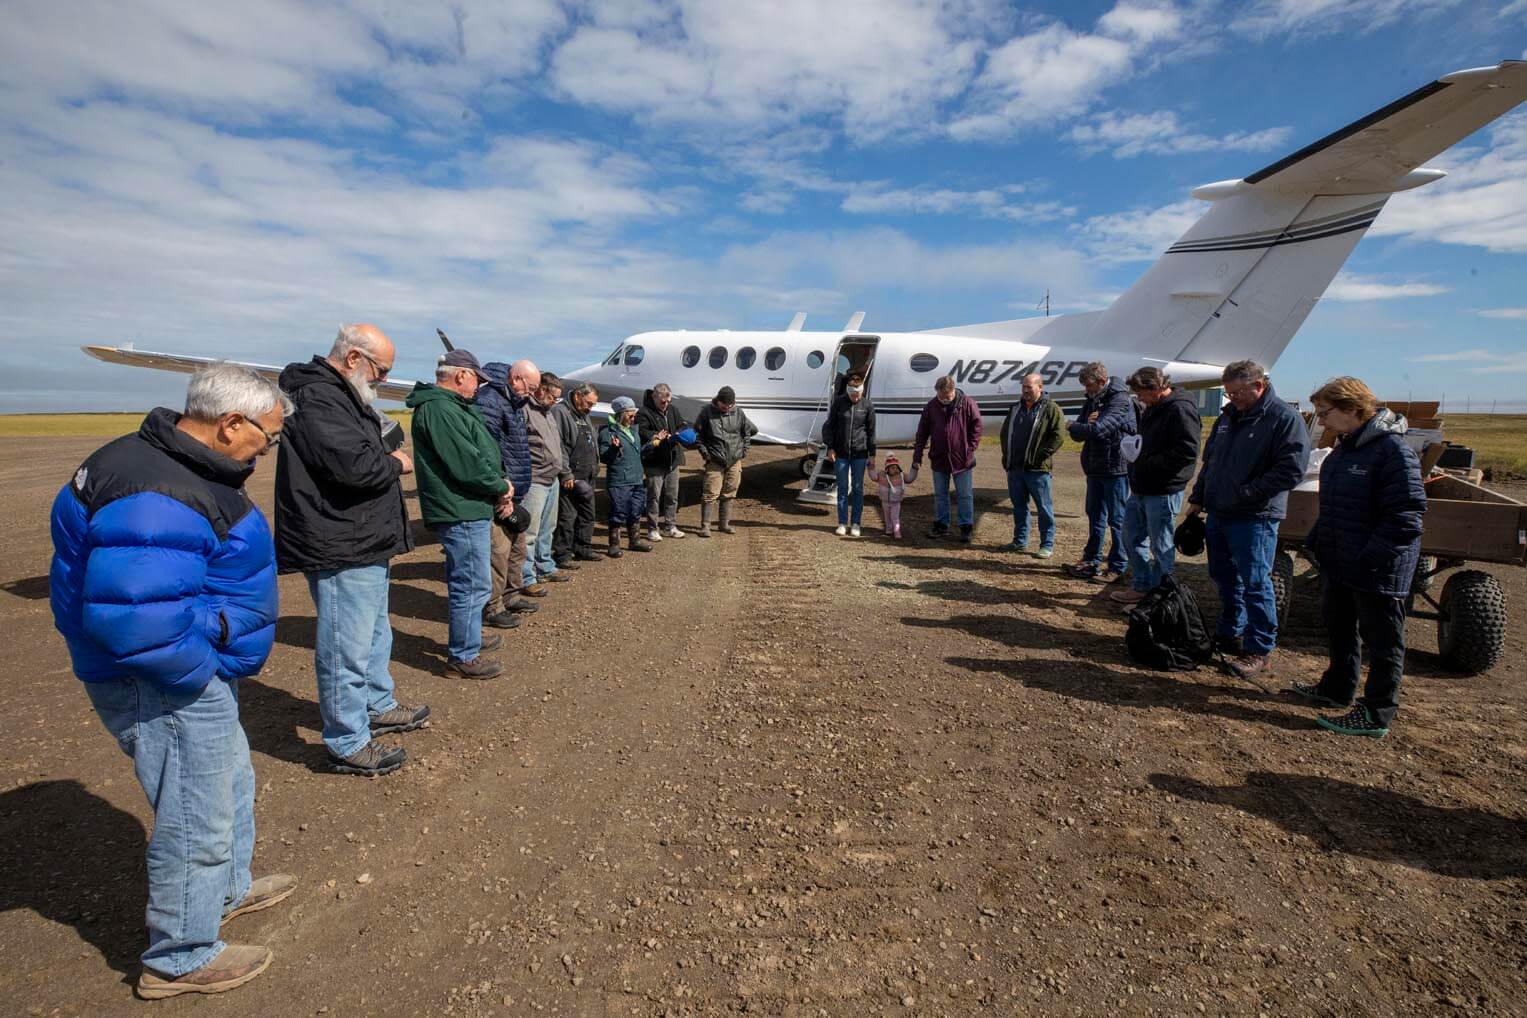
<point x="808" y="464"/>
<point x="1282" y="583"/>
<point x="1425" y="568"/>
<point x="1471" y="629"/>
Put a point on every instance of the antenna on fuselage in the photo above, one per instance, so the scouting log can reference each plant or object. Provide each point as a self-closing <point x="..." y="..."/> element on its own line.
<point x="1044" y="304"/>
<point x="447" y="342"/>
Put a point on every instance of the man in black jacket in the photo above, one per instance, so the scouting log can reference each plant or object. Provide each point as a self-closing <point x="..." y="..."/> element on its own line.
<point x="1164" y="460"/>
<point x="580" y="449"/>
<point x="340" y="519"/>
<point x="658" y="424"/>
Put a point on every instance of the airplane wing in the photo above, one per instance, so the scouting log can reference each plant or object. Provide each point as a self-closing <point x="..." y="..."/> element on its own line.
<point x="397" y="391"/>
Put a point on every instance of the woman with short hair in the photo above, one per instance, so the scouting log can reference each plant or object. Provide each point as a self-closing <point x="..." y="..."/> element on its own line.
<point x="849" y="435"/>
<point x="1366" y="539"/>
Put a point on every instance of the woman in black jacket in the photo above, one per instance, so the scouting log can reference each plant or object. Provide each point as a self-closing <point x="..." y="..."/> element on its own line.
<point x="1367" y="540"/>
<point x="849" y="434"/>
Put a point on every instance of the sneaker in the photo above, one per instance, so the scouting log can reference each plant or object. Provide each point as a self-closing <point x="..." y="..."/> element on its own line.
<point x="1126" y="597"/>
<point x="1107" y="576"/>
<point x="555" y="578"/>
<point x="1253" y="668"/>
<point x="502" y="620"/>
<point x="372" y="759"/>
<point x="938" y="530"/>
<point x="400" y="719"/>
<point x="853" y="531"/>
<point x="492" y="641"/>
<point x="654" y="535"/>
<point x="1083" y="570"/>
<point x="1356" y="721"/>
<point x="1044" y="553"/>
<point x="966" y="530"/>
<point x="1013" y="546"/>
<point x="234" y="966"/>
<point x="673" y="531"/>
<point x="263" y="893"/>
<point x="842" y="530"/>
<point x="1230" y="646"/>
<point x="897" y="532"/>
<point x="1312" y="693"/>
<point x="533" y="590"/>
<point x="520" y="606"/>
<point x="477" y="668"/>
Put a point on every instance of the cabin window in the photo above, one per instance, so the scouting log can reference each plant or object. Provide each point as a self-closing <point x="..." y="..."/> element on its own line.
<point x="745" y="357"/>
<point x="634" y="355"/>
<point x="775" y="359"/>
<point x="717" y="356"/>
<point x="923" y="363"/>
<point x="815" y="359"/>
<point x="690" y="357"/>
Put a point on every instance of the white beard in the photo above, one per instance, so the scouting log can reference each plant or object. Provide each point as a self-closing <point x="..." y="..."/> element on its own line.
<point x="363" y="388"/>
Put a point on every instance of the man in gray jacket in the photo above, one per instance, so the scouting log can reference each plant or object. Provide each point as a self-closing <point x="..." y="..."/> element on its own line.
<point x="724" y="432"/>
<point x="548" y="470"/>
<point x="574" y="540"/>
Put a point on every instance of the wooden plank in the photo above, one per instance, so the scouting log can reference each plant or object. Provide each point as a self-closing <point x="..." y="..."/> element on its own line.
<point x="1456" y="488"/>
<point x="1482" y="530"/>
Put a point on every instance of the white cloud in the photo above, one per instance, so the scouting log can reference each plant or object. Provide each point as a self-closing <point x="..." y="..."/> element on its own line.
<point x="1509" y="313"/>
<point x="1161" y="133"/>
<point x="991" y="203"/>
<point x="1348" y="286"/>
<point x="1139" y="234"/>
<point x="1268" y="17"/>
<point x="1487" y="362"/>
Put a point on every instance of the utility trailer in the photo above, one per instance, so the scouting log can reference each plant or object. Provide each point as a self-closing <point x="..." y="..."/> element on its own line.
<point x="1464" y="523"/>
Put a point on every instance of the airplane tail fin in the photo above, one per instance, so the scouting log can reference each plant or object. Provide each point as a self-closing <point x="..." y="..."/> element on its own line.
<point x="1244" y="277"/>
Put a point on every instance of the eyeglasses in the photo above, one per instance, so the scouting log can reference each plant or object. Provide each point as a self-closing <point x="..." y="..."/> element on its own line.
<point x="381" y="372"/>
<point x="271" y="441"/>
<point x="1320" y="414"/>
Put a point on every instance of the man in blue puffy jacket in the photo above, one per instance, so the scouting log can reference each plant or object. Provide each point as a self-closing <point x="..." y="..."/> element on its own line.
<point x="1107" y="415"/>
<point x="1255" y="456"/>
<point x="164" y="587"/>
<point x="504" y="401"/>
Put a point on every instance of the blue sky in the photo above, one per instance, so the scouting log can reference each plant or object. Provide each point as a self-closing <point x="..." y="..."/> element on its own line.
<point x="543" y="178"/>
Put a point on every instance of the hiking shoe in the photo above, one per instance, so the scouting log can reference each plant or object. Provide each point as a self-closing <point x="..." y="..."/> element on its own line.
<point x="555" y="578"/>
<point x="1044" y="553"/>
<point x="1356" y="721"/>
<point x="477" y="668"/>
<point x="1128" y="598"/>
<point x="1107" y="576"/>
<point x="842" y="530"/>
<point x="966" y="529"/>
<point x="568" y="564"/>
<point x="263" y="893"/>
<point x="673" y="531"/>
<point x="1312" y="693"/>
<point x="520" y="606"/>
<point x="234" y="966"/>
<point x="501" y="620"/>
<point x="1013" y="546"/>
<point x="938" y="530"/>
<point x="400" y="719"/>
<point x="1252" y="667"/>
<point x="533" y="590"/>
<point x="1230" y="646"/>
<point x="371" y="760"/>
<point x="491" y="641"/>
<point x="853" y="531"/>
<point x="1083" y="570"/>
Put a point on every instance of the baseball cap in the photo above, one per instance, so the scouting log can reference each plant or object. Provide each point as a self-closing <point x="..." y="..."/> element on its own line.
<point x="459" y="358"/>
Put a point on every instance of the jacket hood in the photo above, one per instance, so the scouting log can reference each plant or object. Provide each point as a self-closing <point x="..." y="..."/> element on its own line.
<point x="498" y="374"/>
<point x="1269" y="397"/>
<point x="159" y="431"/>
<point x="1178" y="396"/>
<point x="317" y="371"/>
<point x="1380" y="424"/>
<point x="1115" y="385"/>
<point x="424" y="392"/>
<point x="648" y="403"/>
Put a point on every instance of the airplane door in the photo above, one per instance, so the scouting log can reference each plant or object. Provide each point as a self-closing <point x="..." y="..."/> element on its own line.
<point x="855" y="353"/>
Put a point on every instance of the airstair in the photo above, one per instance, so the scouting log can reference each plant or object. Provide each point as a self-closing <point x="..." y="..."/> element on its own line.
<point x="853" y="353"/>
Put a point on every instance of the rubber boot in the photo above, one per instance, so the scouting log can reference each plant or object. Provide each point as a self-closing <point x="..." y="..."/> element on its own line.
<point x="614" y="549"/>
<point x="724" y="520"/>
<point x="704" y="530"/>
<point x="635" y="540"/>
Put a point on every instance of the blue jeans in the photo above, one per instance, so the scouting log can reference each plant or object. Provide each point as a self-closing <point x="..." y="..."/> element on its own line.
<point x="850" y="496"/>
<point x="1150" y="522"/>
<point x="541" y="503"/>
<point x="351" y="653"/>
<point x="468" y="582"/>
<point x="1240" y="563"/>
<point x="1105" y="514"/>
<point x="964" y="493"/>
<point x="1021" y="486"/>
<point x="190" y="755"/>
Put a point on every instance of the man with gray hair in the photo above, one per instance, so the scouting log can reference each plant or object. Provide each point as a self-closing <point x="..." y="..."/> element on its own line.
<point x="164" y="587"/>
<point x="1106" y="416"/>
<point x="658" y="424"/>
<point x="503" y="399"/>
<point x="1254" y="457"/>
<point x="580" y="449"/>
<point x="340" y="519"/>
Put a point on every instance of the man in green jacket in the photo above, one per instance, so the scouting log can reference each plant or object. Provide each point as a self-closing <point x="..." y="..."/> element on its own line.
<point x="461" y="488"/>
<point x="1031" y="436"/>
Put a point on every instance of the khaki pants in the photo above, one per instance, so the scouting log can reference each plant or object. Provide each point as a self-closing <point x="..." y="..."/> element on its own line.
<point x="508" y="562"/>
<point x="720" y="481"/>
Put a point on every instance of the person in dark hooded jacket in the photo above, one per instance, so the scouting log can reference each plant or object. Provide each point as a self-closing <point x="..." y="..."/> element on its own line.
<point x="580" y="450"/>
<point x="1106" y="417"/>
<point x="1367" y="540"/>
<point x="659" y="423"/>
<point x="1165" y="457"/>
<point x="724" y="432"/>
<point x="849" y="435"/>
<point x="340" y="519"/>
<point x="504" y="402"/>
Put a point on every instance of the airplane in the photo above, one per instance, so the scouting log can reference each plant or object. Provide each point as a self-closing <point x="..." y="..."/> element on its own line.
<point x="1238" y="285"/>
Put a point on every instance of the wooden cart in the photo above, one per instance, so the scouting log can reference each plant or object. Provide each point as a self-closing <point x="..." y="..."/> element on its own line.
<point x="1464" y="523"/>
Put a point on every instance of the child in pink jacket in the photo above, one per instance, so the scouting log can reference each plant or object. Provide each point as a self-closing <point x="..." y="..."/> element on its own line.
<point x="893" y="488"/>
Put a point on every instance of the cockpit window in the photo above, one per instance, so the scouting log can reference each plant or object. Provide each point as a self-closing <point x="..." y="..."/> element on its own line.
<point x="775" y="359"/>
<point x="745" y="357"/>
<point x="690" y="356"/>
<point x="614" y="357"/>
<point x="634" y="355"/>
<point x="717" y="356"/>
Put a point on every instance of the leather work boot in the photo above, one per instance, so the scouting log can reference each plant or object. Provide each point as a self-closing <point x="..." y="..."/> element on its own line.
<point x="521" y="606"/>
<point x="724" y="519"/>
<point x="234" y="966"/>
<point x="614" y="549"/>
<point x="477" y="668"/>
<point x="704" y="530"/>
<point x="501" y="620"/>
<point x="263" y="893"/>
<point x="634" y="539"/>
<point x="372" y="759"/>
<point x="400" y="719"/>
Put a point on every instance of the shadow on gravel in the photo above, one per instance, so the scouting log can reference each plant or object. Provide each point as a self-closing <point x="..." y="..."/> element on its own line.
<point x="1089" y="679"/>
<point x="33" y="588"/>
<point x="272" y="718"/>
<point x="429" y="569"/>
<point x="415" y="651"/>
<point x="968" y="561"/>
<point x="1374" y="823"/>
<point x="77" y="860"/>
<point x="412" y="602"/>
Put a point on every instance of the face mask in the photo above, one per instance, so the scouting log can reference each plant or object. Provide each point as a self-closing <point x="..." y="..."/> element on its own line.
<point x="946" y="400"/>
<point x="856" y="390"/>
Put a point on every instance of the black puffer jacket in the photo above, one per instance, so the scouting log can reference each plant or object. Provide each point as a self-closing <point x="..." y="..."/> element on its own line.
<point x="1101" y="456"/>
<point x="659" y="459"/>
<point x="338" y="500"/>
<point x="1368" y="534"/>
<point x="1169" y="435"/>
<point x="849" y="430"/>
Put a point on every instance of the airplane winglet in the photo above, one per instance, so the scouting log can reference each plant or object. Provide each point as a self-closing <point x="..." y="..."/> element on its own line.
<point x="854" y="322"/>
<point x="797" y="322"/>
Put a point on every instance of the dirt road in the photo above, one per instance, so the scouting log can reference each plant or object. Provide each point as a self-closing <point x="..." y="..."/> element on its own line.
<point x="784" y="773"/>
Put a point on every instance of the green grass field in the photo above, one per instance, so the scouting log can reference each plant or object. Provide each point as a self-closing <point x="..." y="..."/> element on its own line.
<point x="1499" y="441"/>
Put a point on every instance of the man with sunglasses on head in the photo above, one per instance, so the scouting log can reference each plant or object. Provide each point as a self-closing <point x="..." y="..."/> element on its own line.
<point x="340" y="519"/>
